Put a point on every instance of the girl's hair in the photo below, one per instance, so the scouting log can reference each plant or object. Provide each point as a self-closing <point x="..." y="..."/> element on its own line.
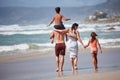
<point x="93" y="35"/>
<point x="73" y="26"/>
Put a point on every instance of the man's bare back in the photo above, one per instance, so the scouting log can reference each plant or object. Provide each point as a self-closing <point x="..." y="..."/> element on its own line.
<point x="59" y="36"/>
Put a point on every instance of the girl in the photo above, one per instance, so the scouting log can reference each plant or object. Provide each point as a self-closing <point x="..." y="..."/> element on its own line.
<point x="94" y="44"/>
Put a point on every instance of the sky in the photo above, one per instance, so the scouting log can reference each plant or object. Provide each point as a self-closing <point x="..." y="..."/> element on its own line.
<point x="48" y="3"/>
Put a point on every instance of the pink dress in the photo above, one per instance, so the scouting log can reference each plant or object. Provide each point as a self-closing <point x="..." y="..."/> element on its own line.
<point x="93" y="46"/>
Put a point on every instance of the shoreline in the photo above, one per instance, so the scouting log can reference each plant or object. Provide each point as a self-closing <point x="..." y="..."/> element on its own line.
<point x="39" y="54"/>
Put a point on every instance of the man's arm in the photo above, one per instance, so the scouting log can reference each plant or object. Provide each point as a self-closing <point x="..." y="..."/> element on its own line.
<point x="52" y="37"/>
<point x="62" y="31"/>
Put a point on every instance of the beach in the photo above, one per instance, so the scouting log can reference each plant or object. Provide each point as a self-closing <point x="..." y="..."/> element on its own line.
<point x="27" y="54"/>
<point x="112" y="75"/>
<point x="37" y="66"/>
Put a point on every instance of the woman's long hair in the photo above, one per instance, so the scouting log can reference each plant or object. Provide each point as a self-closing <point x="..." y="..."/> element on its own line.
<point x="73" y="28"/>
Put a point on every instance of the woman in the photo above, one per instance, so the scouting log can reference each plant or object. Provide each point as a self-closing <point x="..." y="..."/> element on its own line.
<point x="72" y="47"/>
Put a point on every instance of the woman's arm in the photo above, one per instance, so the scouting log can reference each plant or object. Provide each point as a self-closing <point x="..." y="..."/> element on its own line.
<point x="87" y="44"/>
<point x="78" y="37"/>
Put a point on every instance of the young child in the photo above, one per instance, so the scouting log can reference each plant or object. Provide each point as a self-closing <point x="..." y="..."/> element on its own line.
<point x="57" y="18"/>
<point x="94" y="44"/>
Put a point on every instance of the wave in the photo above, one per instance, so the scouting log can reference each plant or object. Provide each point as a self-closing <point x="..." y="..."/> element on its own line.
<point x="43" y="29"/>
<point x="26" y="32"/>
<point x="26" y="46"/>
<point x="99" y="25"/>
<point x="108" y="43"/>
<point x="14" y="47"/>
<point x="104" y="41"/>
<point x="22" y="28"/>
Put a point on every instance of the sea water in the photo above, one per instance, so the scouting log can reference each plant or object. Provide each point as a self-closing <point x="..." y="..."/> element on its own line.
<point x="15" y="39"/>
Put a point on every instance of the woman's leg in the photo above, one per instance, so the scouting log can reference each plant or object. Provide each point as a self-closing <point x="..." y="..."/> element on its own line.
<point x="76" y="63"/>
<point x="72" y="64"/>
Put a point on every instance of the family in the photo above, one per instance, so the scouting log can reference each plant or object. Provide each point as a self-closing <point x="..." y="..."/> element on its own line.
<point x="72" y="38"/>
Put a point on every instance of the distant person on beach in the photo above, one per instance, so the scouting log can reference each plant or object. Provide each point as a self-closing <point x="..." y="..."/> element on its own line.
<point x="94" y="44"/>
<point x="60" y="48"/>
<point x="72" y="47"/>
<point x="57" y="18"/>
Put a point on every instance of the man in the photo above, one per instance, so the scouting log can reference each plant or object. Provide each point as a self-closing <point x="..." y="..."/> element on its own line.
<point x="59" y="48"/>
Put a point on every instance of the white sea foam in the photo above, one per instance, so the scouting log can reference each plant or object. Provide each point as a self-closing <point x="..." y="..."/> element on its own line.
<point x="7" y="48"/>
<point x="86" y="29"/>
<point x="26" y="32"/>
<point x="103" y="41"/>
<point x="14" y="47"/>
<point x="104" y="24"/>
<point x="22" y="28"/>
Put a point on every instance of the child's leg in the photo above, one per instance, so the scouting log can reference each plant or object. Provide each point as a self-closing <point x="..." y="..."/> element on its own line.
<point x="94" y="60"/>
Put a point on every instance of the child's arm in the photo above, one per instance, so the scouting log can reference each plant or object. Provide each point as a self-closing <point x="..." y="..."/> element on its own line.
<point x="99" y="46"/>
<point x="66" y="19"/>
<point x="51" y="21"/>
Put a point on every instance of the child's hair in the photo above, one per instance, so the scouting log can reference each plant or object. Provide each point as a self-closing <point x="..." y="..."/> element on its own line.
<point x="73" y="26"/>
<point x="57" y="9"/>
<point x="93" y="35"/>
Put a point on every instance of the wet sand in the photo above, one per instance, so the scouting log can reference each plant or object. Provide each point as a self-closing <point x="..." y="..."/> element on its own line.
<point x="42" y="67"/>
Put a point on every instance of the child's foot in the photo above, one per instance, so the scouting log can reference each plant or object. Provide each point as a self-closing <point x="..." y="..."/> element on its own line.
<point x="96" y="70"/>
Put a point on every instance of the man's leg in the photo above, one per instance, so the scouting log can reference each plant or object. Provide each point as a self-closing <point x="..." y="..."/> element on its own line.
<point x="61" y="62"/>
<point x="57" y="63"/>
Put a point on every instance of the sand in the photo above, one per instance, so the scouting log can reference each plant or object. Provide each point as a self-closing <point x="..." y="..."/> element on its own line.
<point x="111" y="75"/>
<point x="37" y="66"/>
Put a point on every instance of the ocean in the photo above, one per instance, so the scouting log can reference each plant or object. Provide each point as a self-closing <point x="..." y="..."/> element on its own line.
<point x="22" y="39"/>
